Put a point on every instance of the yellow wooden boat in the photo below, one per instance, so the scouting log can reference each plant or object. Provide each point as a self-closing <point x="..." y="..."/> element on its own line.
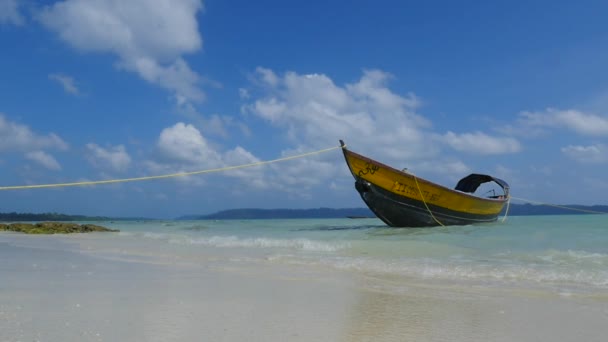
<point x="401" y="199"/>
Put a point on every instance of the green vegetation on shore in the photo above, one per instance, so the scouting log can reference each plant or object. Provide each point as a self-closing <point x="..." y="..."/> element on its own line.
<point x="53" y="228"/>
<point x="19" y="217"/>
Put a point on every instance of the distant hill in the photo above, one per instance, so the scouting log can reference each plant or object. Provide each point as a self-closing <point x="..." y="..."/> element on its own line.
<point x="245" y="214"/>
<point x="251" y="213"/>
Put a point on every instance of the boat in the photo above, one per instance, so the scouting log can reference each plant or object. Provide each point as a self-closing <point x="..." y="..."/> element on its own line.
<point x="401" y="199"/>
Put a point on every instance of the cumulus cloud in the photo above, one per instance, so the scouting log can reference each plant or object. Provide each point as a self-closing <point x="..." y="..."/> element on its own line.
<point x="43" y="159"/>
<point x="577" y="121"/>
<point x="185" y="144"/>
<point x="184" y="148"/>
<point x="114" y="158"/>
<point x="17" y="137"/>
<point x="314" y="112"/>
<point x="67" y="82"/>
<point x="587" y="154"/>
<point x="149" y="37"/>
<point x="9" y="13"/>
<point x="268" y="76"/>
<point x="446" y="167"/>
<point x="481" y="143"/>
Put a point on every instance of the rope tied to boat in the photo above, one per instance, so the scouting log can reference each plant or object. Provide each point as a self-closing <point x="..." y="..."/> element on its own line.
<point x="172" y="175"/>
<point x="560" y="206"/>
<point x="424" y="201"/>
<point x="504" y="219"/>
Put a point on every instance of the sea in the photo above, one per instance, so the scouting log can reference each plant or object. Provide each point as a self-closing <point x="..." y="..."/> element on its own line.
<point x="565" y="254"/>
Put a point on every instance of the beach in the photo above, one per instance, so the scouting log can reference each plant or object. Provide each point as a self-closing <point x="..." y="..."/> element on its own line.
<point x="189" y="282"/>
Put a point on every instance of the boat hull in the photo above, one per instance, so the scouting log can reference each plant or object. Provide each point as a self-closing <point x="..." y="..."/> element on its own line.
<point x="401" y="199"/>
<point x="400" y="211"/>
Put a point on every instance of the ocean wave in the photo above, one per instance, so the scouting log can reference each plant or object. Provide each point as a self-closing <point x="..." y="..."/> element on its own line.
<point x="260" y="242"/>
<point x="300" y="243"/>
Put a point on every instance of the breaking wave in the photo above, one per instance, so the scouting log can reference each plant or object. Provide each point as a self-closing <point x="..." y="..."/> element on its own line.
<point x="251" y="242"/>
<point x="300" y="243"/>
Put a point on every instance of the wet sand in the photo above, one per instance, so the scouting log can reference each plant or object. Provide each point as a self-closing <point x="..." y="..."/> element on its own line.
<point x="85" y="289"/>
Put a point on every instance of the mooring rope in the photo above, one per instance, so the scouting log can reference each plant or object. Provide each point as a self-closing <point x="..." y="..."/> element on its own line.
<point x="424" y="201"/>
<point x="560" y="206"/>
<point x="172" y="175"/>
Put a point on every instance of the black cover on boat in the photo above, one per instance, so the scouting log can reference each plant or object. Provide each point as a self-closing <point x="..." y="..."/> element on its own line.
<point x="471" y="182"/>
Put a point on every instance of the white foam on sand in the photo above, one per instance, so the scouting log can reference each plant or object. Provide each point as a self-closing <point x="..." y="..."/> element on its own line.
<point x="66" y="288"/>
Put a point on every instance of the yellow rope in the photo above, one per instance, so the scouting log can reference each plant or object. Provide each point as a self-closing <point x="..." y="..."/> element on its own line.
<point x="423" y="201"/>
<point x="181" y="174"/>
<point x="561" y="206"/>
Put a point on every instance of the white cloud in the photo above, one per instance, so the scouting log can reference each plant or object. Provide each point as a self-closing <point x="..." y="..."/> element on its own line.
<point x="587" y="154"/>
<point x="214" y="124"/>
<point x="314" y="112"/>
<point x="67" y="82"/>
<point x="481" y="143"/>
<point x="268" y="76"/>
<point x="17" y="137"/>
<point x="302" y="174"/>
<point x="114" y="158"/>
<point x="185" y="144"/>
<point x="183" y="148"/>
<point x="9" y="12"/>
<point x="43" y="159"/>
<point x="443" y="167"/>
<point x="577" y="121"/>
<point x="148" y="36"/>
<point x="255" y="177"/>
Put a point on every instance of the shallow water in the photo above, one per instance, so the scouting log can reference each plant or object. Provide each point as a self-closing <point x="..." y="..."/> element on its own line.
<point x="555" y="253"/>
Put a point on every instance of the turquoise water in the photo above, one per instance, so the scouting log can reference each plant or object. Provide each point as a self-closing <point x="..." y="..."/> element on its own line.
<point x="557" y="253"/>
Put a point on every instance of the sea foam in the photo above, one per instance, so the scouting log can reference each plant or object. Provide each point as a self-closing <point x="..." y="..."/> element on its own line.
<point x="232" y="241"/>
<point x="298" y="243"/>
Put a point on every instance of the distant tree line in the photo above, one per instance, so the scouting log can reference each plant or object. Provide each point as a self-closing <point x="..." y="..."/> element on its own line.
<point x="14" y="217"/>
<point x="251" y="213"/>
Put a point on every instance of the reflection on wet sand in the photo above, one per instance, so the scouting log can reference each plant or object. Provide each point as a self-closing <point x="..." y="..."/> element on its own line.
<point x="384" y="316"/>
<point x="406" y="312"/>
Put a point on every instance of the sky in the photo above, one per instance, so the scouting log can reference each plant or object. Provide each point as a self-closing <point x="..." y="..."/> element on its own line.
<point x="109" y="89"/>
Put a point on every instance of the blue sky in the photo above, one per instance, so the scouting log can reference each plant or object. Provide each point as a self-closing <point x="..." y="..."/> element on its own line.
<point x="94" y="90"/>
